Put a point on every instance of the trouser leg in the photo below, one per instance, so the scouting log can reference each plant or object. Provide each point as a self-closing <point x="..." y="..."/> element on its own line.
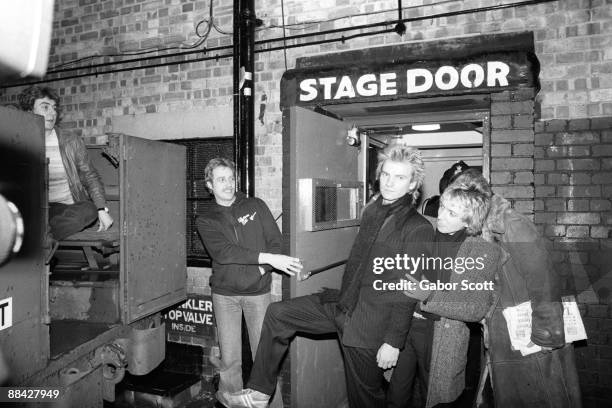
<point x="401" y="386"/>
<point x="413" y="363"/>
<point x="228" y="317"/>
<point x="364" y="379"/>
<point x="254" y="308"/>
<point x="282" y="320"/>
<point x="68" y="219"/>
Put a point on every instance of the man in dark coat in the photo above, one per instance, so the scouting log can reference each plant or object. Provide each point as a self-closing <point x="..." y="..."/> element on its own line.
<point x="371" y="322"/>
<point x="546" y="378"/>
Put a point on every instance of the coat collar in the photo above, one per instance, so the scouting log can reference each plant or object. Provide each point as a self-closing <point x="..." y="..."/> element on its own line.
<point x="496" y="218"/>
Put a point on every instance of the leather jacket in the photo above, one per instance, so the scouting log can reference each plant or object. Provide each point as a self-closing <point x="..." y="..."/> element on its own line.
<point x="83" y="178"/>
<point x="527" y="273"/>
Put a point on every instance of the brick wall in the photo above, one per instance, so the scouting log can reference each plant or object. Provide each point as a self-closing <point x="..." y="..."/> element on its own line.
<point x="573" y="192"/>
<point x="512" y="147"/>
<point x="559" y="172"/>
<point x="571" y="43"/>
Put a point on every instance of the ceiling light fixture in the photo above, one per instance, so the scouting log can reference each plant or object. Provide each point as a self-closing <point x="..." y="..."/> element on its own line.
<point x="426" y="127"/>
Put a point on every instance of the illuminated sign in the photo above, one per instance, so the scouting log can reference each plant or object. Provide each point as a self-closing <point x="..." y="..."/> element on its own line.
<point x="6" y="313"/>
<point x="410" y="72"/>
<point x="490" y="74"/>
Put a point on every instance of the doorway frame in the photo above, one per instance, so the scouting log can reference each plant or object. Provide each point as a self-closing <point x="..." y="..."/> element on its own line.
<point x="482" y="115"/>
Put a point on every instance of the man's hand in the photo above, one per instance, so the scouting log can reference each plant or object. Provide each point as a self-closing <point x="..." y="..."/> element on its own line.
<point x="105" y="220"/>
<point x="544" y="348"/>
<point x="284" y="263"/>
<point x="387" y="356"/>
<point x="416" y="293"/>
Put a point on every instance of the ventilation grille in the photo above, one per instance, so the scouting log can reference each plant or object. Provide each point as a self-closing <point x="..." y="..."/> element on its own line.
<point x="199" y="199"/>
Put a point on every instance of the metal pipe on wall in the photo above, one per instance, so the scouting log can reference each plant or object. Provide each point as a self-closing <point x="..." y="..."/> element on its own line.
<point x="244" y="107"/>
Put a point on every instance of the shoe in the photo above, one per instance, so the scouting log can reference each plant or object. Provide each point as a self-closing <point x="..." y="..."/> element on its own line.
<point x="246" y="398"/>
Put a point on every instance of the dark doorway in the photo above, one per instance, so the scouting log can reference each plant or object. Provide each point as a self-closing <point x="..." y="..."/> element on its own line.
<point x="199" y="199"/>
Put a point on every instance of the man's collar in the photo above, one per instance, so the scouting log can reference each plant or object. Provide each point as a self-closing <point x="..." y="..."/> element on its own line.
<point x="238" y="196"/>
<point x="495" y="220"/>
<point x="404" y="201"/>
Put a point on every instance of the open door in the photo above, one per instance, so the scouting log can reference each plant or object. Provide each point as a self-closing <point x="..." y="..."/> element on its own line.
<point x="153" y="261"/>
<point x="320" y="222"/>
<point x="24" y="333"/>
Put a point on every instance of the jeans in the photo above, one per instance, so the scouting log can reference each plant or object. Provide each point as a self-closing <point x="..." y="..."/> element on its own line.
<point x="228" y="312"/>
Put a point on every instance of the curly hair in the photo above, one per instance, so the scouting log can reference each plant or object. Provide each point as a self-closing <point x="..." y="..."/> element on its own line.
<point x="475" y="202"/>
<point x="213" y="164"/>
<point x="404" y="154"/>
<point x="28" y="96"/>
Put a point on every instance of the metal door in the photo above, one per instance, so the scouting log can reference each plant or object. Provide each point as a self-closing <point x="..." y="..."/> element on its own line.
<point x="314" y="147"/>
<point x="153" y="200"/>
<point x="24" y="279"/>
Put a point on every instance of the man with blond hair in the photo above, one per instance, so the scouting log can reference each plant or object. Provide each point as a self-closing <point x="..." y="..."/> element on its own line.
<point x="371" y="324"/>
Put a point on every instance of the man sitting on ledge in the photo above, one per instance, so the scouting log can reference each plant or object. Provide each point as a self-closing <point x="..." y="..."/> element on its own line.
<point x="76" y="194"/>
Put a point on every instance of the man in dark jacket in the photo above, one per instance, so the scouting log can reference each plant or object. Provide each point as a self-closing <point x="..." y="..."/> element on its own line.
<point x="244" y="243"/>
<point x="547" y="378"/>
<point x="372" y="322"/>
<point x="76" y="194"/>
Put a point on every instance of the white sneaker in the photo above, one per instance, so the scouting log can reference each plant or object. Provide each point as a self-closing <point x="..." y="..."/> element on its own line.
<point x="246" y="398"/>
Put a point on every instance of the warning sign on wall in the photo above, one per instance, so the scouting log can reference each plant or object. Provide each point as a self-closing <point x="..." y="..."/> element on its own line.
<point x="6" y="313"/>
<point x="193" y="318"/>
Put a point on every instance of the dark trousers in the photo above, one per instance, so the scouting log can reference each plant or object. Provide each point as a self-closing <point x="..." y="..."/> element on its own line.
<point x="68" y="219"/>
<point x="364" y="379"/>
<point x="413" y="363"/>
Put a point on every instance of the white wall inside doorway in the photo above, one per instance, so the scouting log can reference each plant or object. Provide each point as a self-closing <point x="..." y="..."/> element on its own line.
<point x="438" y="160"/>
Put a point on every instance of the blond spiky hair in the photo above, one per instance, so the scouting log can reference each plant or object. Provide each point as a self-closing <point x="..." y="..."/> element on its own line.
<point x="404" y="154"/>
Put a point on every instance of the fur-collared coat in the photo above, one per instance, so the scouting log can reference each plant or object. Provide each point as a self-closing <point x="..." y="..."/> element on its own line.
<point x="543" y="379"/>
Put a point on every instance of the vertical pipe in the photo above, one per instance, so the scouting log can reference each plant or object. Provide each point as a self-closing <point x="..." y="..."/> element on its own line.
<point x="244" y="107"/>
<point x="238" y="153"/>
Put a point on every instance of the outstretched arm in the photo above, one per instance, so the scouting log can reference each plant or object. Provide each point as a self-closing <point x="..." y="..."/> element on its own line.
<point x="468" y="305"/>
<point x="224" y="251"/>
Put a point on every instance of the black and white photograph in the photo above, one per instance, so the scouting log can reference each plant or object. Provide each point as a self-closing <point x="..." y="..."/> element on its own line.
<point x="306" y="204"/>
